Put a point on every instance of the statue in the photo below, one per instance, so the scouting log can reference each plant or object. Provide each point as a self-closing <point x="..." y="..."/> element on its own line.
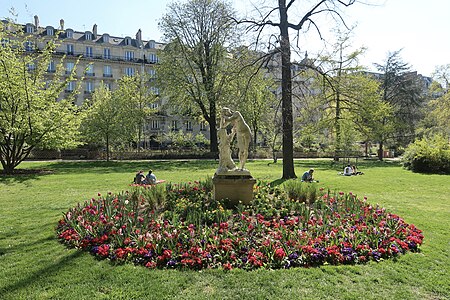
<point x="225" y="161"/>
<point x="229" y="182"/>
<point x="241" y="129"/>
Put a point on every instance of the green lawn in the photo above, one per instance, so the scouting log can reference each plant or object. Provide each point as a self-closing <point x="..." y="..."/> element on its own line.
<point x="34" y="265"/>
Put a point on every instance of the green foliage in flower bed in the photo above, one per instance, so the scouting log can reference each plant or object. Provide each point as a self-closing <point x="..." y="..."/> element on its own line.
<point x="181" y="226"/>
<point x="428" y="155"/>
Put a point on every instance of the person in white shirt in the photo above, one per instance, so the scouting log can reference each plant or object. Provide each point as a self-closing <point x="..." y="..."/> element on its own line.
<point x="348" y="171"/>
<point x="150" y="178"/>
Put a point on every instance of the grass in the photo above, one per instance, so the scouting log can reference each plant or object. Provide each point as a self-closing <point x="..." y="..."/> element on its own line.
<point x="34" y="265"/>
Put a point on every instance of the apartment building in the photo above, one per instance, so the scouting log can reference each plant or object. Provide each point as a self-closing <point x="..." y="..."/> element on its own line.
<point x="106" y="58"/>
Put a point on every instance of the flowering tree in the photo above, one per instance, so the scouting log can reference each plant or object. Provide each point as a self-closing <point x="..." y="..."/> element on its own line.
<point x="32" y="112"/>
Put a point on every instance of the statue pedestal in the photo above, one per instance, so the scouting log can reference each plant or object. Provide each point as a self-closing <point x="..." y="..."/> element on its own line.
<point x="234" y="187"/>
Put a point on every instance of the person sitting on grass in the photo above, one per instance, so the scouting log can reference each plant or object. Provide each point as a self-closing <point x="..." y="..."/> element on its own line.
<point x="140" y="178"/>
<point x="355" y="171"/>
<point x="150" y="178"/>
<point x="308" y="176"/>
<point x="348" y="171"/>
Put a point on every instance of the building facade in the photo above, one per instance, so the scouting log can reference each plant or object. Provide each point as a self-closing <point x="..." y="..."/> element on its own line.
<point x="106" y="58"/>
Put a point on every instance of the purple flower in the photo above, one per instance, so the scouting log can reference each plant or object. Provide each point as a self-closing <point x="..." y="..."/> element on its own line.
<point x="293" y="256"/>
<point x="171" y="263"/>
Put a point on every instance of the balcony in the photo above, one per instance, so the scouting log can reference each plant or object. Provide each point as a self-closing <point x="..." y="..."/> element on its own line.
<point x="90" y="74"/>
<point x="108" y="75"/>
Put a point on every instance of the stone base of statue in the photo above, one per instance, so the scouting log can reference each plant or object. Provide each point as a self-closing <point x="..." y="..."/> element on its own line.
<point x="234" y="186"/>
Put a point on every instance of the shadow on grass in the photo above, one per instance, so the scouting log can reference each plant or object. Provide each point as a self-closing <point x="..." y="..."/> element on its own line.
<point x="329" y="164"/>
<point x="84" y="167"/>
<point x="277" y="182"/>
<point x="19" y="178"/>
<point x="131" y="166"/>
<point x="22" y="246"/>
<point x="43" y="273"/>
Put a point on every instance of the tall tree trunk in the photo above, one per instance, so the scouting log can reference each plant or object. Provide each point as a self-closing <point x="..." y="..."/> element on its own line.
<point x="338" y="149"/>
<point x="286" y="94"/>
<point x="380" y="151"/>
<point x="214" y="146"/>
<point x="107" y="147"/>
<point x="337" y="125"/>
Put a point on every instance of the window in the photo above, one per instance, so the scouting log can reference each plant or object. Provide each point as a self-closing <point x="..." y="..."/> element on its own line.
<point x="88" y="36"/>
<point x="203" y="126"/>
<point x="129" y="71"/>
<point x="28" y="46"/>
<point x="155" y="124"/>
<point x="51" y="67"/>
<point x="29" y="28"/>
<point x="188" y="126"/>
<point x="69" y="49"/>
<point x="153" y="58"/>
<point x="5" y="41"/>
<point x="88" y="51"/>
<point x="106" y="53"/>
<point x="154" y="105"/>
<point x="105" y="38"/>
<point x="108" y="85"/>
<point x="129" y="55"/>
<point x="50" y="31"/>
<point x="69" y="33"/>
<point x="151" y="44"/>
<point x="154" y="90"/>
<point x="127" y="41"/>
<point x="70" y="86"/>
<point x="69" y="67"/>
<point x="152" y="74"/>
<point x="90" y="70"/>
<point x="174" y="125"/>
<point x="31" y="67"/>
<point x="107" y="71"/>
<point x="89" y="87"/>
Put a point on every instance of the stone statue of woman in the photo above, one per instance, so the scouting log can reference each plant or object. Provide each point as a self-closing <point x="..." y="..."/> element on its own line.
<point x="226" y="163"/>
<point x="242" y="130"/>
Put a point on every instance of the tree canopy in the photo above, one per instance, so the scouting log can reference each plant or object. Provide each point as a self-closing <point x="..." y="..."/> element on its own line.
<point x="33" y="111"/>
<point x="193" y="69"/>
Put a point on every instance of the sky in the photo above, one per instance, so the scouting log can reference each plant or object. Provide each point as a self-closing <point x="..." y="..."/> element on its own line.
<point x="420" y="28"/>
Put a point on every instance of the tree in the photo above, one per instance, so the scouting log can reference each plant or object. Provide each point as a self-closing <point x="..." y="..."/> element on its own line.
<point x="108" y="119"/>
<point x="135" y="92"/>
<point x="309" y="14"/>
<point x="251" y="89"/>
<point x="442" y="75"/>
<point x="437" y="117"/>
<point x="403" y="90"/>
<point x="192" y="70"/>
<point x="339" y="67"/>
<point x="32" y="112"/>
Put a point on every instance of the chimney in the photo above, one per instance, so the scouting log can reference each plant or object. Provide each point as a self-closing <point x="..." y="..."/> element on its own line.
<point x="94" y="31"/>
<point x="61" y="24"/>
<point x="139" y="36"/>
<point x="36" y="22"/>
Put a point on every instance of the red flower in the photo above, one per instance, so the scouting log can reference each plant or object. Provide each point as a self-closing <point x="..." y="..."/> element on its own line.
<point x="279" y="254"/>
<point x="227" y="266"/>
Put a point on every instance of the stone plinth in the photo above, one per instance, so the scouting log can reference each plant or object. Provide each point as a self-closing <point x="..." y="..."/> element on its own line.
<point x="235" y="188"/>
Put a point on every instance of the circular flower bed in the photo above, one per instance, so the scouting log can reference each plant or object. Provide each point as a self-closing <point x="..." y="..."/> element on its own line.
<point x="181" y="226"/>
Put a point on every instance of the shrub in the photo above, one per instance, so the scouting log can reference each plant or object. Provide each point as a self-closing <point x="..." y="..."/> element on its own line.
<point x="301" y="191"/>
<point x="428" y="155"/>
